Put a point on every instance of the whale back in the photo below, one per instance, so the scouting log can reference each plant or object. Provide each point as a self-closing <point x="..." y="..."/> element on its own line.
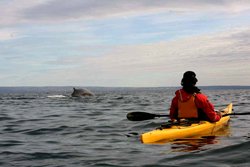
<point x="81" y="92"/>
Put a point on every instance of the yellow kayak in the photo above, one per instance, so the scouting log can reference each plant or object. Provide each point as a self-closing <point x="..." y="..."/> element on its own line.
<point x="183" y="131"/>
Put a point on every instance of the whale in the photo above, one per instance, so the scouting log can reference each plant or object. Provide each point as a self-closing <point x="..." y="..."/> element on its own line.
<point x="81" y="92"/>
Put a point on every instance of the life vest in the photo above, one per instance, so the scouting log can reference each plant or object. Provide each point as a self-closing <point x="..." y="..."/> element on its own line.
<point x="188" y="108"/>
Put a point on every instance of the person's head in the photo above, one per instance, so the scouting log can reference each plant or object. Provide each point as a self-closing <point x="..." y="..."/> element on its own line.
<point x="189" y="81"/>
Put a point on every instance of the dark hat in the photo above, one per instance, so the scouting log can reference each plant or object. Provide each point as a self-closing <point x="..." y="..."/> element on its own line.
<point x="189" y="74"/>
<point x="189" y="77"/>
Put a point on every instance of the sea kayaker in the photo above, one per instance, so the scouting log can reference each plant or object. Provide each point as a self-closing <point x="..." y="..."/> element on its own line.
<point x="190" y="103"/>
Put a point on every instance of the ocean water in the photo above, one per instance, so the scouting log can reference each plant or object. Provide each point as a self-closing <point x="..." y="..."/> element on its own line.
<point x="45" y="126"/>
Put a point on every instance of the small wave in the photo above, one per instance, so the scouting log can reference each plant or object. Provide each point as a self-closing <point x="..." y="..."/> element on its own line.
<point x="56" y="96"/>
<point x="232" y="155"/>
<point x="21" y="98"/>
<point x="5" y="118"/>
<point x="42" y="131"/>
<point x="9" y="143"/>
<point x="41" y="155"/>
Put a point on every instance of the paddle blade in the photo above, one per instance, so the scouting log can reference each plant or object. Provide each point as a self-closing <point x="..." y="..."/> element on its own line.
<point x="140" y="116"/>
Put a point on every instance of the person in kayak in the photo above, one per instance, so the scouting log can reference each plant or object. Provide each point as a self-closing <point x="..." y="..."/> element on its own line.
<point x="190" y="103"/>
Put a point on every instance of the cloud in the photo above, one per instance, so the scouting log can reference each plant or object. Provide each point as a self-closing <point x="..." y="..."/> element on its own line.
<point x="104" y="43"/>
<point x="11" y="11"/>
<point x="218" y="59"/>
<point x="6" y="34"/>
<point x="20" y="11"/>
<point x="59" y="9"/>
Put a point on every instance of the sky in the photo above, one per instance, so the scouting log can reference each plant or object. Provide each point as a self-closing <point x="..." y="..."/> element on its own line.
<point x="124" y="43"/>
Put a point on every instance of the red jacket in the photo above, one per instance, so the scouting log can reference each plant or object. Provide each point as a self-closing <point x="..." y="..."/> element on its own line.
<point x="205" y="108"/>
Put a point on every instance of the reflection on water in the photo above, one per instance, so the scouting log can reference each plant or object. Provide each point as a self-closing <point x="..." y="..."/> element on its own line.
<point x="193" y="144"/>
<point x="199" y="143"/>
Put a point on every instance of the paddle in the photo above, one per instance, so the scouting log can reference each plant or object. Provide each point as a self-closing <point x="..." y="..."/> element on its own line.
<point x="141" y="116"/>
<point x="244" y="113"/>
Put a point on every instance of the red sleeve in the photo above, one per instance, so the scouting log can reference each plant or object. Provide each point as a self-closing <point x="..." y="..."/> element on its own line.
<point x="207" y="107"/>
<point x="174" y="108"/>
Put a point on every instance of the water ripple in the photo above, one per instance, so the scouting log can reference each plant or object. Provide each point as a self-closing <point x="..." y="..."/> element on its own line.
<point x="50" y="128"/>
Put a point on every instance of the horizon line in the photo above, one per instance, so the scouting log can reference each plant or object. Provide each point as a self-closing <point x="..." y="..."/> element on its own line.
<point x="125" y="86"/>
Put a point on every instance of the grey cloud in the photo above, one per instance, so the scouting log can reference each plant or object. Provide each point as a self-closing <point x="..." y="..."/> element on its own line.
<point x="242" y="38"/>
<point x="75" y="9"/>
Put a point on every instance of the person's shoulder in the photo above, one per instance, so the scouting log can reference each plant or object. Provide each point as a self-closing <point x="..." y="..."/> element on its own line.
<point x="181" y="92"/>
<point x="201" y="95"/>
<point x="177" y="92"/>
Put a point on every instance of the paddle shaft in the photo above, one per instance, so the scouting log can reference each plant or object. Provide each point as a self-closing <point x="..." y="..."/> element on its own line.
<point x="141" y="116"/>
<point x="161" y="115"/>
<point x="244" y="113"/>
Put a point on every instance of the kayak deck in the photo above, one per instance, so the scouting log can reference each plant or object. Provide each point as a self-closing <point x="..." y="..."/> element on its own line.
<point x="183" y="131"/>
